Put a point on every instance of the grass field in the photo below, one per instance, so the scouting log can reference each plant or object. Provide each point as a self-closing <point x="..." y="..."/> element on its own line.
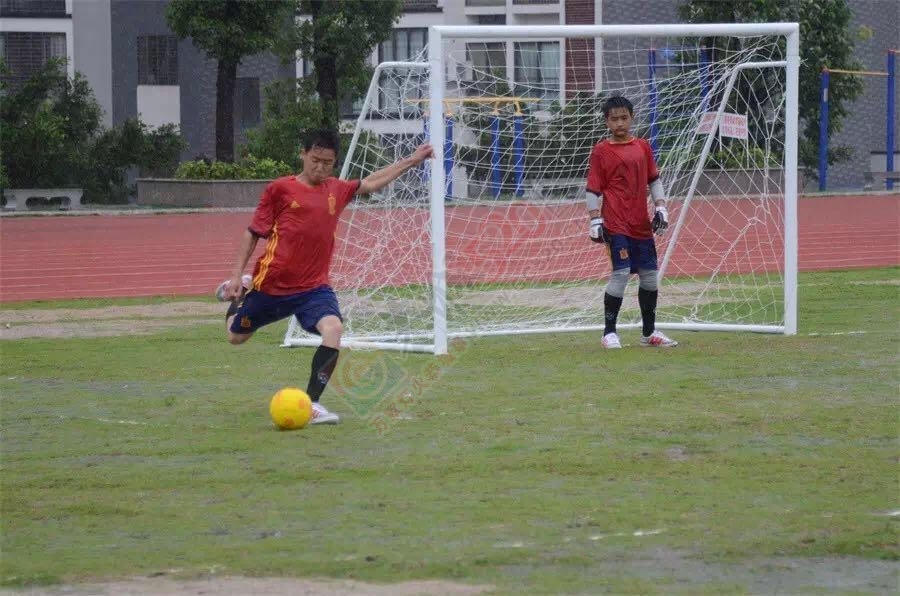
<point x="735" y="463"/>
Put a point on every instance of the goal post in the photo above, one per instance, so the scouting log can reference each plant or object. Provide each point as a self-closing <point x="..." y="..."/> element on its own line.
<point x="490" y="236"/>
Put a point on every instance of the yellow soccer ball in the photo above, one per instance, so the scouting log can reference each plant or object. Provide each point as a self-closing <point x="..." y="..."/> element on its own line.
<point x="290" y="408"/>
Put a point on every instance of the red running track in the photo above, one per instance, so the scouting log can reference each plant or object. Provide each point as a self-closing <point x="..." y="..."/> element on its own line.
<point x="80" y="256"/>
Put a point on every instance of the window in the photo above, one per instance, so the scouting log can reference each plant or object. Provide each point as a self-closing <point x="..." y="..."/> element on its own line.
<point x="491" y="19"/>
<point x="537" y="70"/>
<point x="157" y="60"/>
<point x="26" y="53"/>
<point x="404" y="45"/>
<point x="33" y="8"/>
<point x="246" y="102"/>
<point x="488" y="60"/>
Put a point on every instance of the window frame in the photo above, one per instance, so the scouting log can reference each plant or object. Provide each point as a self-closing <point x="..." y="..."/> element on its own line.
<point x="157" y="58"/>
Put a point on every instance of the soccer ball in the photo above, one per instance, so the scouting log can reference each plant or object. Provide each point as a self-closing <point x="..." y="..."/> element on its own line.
<point x="290" y="408"/>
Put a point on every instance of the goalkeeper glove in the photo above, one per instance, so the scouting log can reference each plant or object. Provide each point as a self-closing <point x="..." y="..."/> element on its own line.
<point x="598" y="232"/>
<point x="660" y="220"/>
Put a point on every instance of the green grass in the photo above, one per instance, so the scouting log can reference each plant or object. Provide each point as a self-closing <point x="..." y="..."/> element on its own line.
<point x="528" y="463"/>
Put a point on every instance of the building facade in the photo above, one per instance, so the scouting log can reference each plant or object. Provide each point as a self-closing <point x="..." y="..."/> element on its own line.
<point x="139" y="69"/>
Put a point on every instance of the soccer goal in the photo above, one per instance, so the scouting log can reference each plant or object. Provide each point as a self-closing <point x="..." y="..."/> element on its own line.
<point x="491" y="236"/>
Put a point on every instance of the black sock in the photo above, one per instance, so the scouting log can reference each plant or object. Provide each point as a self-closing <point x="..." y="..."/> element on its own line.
<point x="611" y="306"/>
<point x="323" y="363"/>
<point x="647" y="302"/>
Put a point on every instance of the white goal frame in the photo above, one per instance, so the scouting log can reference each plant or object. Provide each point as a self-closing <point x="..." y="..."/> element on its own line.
<point x="436" y="66"/>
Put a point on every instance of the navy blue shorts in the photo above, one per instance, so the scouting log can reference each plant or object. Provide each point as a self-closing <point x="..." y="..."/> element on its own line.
<point x="309" y="307"/>
<point x="632" y="253"/>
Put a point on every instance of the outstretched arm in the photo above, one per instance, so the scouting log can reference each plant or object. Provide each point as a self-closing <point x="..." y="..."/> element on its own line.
<point x="381" y="178"/>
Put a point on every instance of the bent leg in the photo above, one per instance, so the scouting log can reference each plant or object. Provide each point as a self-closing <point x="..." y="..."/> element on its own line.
<point x="330" y="328"/>
<point x="235" y="338"/>
<point x="325" y="359"/>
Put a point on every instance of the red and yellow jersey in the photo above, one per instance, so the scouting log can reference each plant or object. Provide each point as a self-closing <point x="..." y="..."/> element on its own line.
<point x="621" y="172"/>
<point x="299" y="223"/>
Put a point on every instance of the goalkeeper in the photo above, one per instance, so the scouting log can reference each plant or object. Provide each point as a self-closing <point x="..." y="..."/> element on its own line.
<point x="620" y="170"/>
<point x="298" y="217"/>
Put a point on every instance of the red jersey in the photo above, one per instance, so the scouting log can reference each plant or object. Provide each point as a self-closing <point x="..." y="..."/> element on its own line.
<point x="299" y="223"/>
<point x="621" y="172"/>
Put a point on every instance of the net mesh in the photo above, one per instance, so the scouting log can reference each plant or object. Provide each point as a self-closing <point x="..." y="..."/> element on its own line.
<point x="521" y="118"/>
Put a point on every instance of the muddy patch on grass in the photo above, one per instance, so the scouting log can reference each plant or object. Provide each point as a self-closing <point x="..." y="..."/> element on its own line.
<point x="107" y="321"/>
<point x="670" y="571"/>
<point x="243" y="586"/>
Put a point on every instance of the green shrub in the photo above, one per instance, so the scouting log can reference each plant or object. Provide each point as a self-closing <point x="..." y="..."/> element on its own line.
<point x="53" y="123"/>
<point x="737" y="156"/>
<point x="248" y="168"/>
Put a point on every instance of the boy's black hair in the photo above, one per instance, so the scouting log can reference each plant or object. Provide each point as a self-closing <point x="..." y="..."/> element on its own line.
<point x="323" y="138"/>
<point x="617" y="101"/>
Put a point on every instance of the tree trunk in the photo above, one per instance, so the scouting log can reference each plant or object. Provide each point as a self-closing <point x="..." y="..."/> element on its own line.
<point x="326" y="74"/>
<point x="225" y="83"/>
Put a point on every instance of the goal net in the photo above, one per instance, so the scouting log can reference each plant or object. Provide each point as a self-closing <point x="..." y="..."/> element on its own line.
<point x="491" y="237"/>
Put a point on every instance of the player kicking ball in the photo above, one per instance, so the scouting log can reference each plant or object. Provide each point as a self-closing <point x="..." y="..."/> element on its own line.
<point x="298" y="217"/>
<point x="620" y="170"/>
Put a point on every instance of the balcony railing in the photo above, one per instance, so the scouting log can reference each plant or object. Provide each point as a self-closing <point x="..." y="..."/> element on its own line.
<point x="476" y="3"/>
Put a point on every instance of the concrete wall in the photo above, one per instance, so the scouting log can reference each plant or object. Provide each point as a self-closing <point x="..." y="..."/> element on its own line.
<point x="196" y="74"/>
<point x="93" y="50"/>
<point x="198" y="95"/>
<point x="154" y="192"/>
<point x="629" y="12"/>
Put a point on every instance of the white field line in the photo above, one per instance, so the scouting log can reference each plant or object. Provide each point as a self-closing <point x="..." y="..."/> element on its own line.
<point x="837" y="333"/>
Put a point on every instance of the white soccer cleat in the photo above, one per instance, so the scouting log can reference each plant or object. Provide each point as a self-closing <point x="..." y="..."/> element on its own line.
<point x="246" y="281"/>
<point x="611" y="341"/>
<point x="320" y="415"/>
<point x="658" y="339"/>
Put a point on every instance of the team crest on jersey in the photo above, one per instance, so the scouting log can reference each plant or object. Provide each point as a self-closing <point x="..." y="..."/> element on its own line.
<point x="331" y="204"/>
<point x="245" y="323"/>
<point x="295" y="205"/>
<point x="623" y="253"/>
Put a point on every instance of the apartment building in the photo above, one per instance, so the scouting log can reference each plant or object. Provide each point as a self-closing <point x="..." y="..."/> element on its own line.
<point x="33" y="32"/>
<point x="136" y="66"/>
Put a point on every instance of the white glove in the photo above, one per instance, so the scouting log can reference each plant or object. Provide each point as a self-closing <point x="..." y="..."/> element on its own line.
<point x="598" y="232"/>
<point x="660" y="220"/>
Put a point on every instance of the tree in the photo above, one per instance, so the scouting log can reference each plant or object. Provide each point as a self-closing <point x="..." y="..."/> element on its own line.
<point x="338" y="38"/>
<point x="825" y="40"/>
<point x="51" y="137"/>
<point x="48" y="120"/>
<point x="229" y="30"/>
<point x="290" y="109"/>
